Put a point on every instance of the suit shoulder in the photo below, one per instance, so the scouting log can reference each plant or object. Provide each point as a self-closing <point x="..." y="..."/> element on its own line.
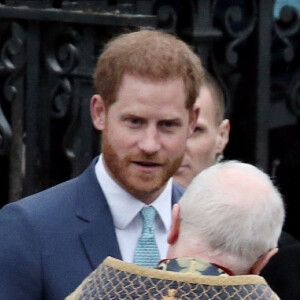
<point x="177" y="190"/>
<point x="46" y="197"/>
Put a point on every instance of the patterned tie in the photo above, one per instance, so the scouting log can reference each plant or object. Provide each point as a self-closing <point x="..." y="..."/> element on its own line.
<point x="146" y="251"/>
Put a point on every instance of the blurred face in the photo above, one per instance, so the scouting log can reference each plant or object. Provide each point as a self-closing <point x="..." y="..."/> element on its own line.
<point x="207" y="140"/>
<point x="144" y="133"/>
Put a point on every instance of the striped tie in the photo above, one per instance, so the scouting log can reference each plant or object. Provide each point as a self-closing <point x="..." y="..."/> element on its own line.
<point x="146" y="251"/>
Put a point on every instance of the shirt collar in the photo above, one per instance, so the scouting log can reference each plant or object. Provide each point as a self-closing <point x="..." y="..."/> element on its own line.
<point x="124" y="207"/>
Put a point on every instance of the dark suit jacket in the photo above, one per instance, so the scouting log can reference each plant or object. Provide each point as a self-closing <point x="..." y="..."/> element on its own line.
<point x="51" y="241"/>
<point x="283" y="271"/>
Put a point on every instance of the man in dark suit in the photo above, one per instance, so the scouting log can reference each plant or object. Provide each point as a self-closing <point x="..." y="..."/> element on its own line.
<point x="283" y="270"/>
<point x="146" y="84"/>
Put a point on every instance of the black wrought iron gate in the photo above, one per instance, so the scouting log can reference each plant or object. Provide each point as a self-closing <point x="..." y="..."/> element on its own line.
<point x="48" y="50"/>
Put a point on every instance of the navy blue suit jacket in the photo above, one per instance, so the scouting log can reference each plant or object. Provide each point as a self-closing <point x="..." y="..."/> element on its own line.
<point x="51" y="241"/>
<point x="283" y="271"/>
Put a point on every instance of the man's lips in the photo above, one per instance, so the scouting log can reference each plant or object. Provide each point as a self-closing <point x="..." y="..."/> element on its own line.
<point x="147" y="163"/>
<point x="147" y="166"/>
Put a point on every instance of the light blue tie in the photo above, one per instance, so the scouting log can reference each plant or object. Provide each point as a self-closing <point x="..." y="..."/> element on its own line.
<point x="146" y="251"/>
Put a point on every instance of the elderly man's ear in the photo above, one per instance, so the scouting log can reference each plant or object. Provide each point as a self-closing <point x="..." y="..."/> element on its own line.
<point x="223" y="135"/>
<point x="262" y="261"/>
<point x="174" y="232"/>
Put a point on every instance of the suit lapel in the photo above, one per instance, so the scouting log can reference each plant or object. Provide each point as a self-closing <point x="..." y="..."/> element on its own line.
<point x="97" y="233"/>
<point x="99" y="240"/>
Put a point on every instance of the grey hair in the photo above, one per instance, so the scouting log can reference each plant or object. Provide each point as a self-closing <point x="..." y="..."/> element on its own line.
<point x="236" y="210"/>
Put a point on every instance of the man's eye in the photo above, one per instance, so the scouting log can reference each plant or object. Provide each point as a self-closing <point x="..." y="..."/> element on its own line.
<point x="198" y="129"/>
<point x="135" y="121"/>
<point x="169" y="124"/>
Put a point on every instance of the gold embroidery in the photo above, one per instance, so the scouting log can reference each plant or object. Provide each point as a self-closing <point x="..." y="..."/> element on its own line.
<point x="171" y="295"/>
<point x="115" y="279"/>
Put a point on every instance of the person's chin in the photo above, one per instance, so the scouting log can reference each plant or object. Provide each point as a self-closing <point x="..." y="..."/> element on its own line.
<point x="183" y="169"/>
<point x="181" y="175"/>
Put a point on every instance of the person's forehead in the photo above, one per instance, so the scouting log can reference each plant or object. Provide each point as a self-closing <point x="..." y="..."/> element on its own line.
<point x="206" y="105"/>
<point x="140" y="95"/>
<point x="137" y="81"/>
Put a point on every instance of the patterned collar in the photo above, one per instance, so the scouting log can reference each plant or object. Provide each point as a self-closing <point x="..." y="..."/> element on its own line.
<point x="192" y="265"/>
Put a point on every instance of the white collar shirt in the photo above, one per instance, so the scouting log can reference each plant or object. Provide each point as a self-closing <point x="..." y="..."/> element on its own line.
<point x="125" y="212"/>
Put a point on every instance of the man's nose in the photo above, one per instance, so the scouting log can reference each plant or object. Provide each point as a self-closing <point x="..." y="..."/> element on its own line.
<point x="150" y="141"/>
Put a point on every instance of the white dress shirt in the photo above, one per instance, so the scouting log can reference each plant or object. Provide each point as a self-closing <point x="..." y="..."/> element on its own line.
<point x="125" y="212"/>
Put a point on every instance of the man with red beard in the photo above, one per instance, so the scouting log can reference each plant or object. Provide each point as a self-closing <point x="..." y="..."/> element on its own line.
<point x="146" y="84"/>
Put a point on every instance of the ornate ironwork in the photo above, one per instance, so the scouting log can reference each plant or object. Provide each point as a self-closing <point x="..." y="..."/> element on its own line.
<point x="5" y="134"/>
<point x="61" y="97"/>
<point x="61" y="51"/>
<point x="30" y="3"/>
<point x="47" y="56"/>
<point x="238" y="19"/>
<point x="286" y="30"/>
<point x="62" y="58"/>
<point x="12" y="62"/>
<point x="11" y="49"/>
<point x="285" y="79"/>
<point x="293" y="95"/>
<point x="286" y="27"/>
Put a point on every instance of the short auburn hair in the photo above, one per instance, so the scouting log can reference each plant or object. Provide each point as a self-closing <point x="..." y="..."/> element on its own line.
<point x="152" y="54"/>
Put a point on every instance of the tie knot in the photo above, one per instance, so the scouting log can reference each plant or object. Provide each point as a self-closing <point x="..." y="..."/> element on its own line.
<point x="148" y="213"/>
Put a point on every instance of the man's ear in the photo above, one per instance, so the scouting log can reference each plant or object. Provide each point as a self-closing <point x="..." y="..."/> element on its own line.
<point x="174" y="232"/>
<point x="98" y="112"/>
<point x="262" y="261"/>
<point x="223" y="136"/>
<point x="193" y="117"/>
